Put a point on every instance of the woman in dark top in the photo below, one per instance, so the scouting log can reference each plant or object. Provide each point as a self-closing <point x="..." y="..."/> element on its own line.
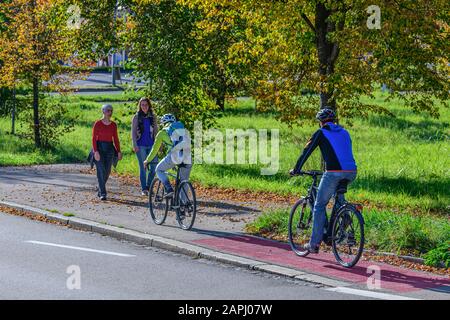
<point x="105" y="143"/>
<point x="143" y="130"/>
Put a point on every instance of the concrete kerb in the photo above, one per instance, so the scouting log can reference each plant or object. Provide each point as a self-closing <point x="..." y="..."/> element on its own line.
<point x="176" y="246"/>
<point x="323" y="281"/>
<point x="230" y="259"/>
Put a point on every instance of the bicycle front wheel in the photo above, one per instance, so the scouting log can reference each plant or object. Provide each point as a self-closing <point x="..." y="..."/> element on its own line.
<point x="158" y="205"/>
<point x="187" y="205"/>
<point x="300" y="227"/>
<point x="348" y="236"/>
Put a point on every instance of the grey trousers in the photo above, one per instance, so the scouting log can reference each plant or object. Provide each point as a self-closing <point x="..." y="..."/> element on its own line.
<point x="166" y="164"/>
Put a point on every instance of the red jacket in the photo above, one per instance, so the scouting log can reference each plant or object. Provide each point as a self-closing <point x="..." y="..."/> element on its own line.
<point x="105" y="133"/>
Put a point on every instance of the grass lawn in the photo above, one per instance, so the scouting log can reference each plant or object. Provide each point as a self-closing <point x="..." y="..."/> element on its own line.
<point x="403" y="162"/>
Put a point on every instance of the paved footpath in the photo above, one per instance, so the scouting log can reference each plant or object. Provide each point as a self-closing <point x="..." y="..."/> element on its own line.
<point x="218" y="227"/>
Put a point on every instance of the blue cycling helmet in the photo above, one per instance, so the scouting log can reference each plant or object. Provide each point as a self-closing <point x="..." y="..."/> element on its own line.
<point x="168" y="118"/>
<point x="325" y="114"/>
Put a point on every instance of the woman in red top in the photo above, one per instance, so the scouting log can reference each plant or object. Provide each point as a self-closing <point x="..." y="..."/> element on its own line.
<point x="105" y="142"/>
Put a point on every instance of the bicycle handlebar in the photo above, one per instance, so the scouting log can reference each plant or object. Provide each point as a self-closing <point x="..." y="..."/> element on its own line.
<point x="312" y="173"/>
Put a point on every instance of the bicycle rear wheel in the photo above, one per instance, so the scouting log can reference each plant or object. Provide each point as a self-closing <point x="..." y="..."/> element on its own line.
<point x="300" y="226"/>
<point x="348" y="236"/>
<point x="187" y="205"/>
<point x="158" y="205"/>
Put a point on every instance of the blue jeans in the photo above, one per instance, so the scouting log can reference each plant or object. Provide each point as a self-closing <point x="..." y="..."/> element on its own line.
<point x="327" y="188"/>
<point x="141" y="155"/>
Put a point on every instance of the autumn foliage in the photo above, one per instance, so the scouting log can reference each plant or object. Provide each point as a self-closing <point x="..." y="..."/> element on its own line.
<point x="34" y="45"/>
<point x="293" y="56"/>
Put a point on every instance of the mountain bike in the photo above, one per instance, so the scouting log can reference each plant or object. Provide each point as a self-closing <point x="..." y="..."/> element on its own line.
<point x="183" y="202"/>
<point x="344" y="232"/>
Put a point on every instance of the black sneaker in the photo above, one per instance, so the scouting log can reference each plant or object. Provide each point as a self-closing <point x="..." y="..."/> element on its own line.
<point x="103" y="198"/>
<point x="311" y="249"/>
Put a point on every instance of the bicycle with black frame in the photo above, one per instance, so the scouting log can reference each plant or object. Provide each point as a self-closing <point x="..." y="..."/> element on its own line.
<point x="183" y="202"/>
<point x="344" y="230"/>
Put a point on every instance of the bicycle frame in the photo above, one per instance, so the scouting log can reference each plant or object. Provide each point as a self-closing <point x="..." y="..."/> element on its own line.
<point x="312" y="191"/>
<point x="174" y="201"/>
<point x="335" y="230"/>
<point x="339" y="203"/>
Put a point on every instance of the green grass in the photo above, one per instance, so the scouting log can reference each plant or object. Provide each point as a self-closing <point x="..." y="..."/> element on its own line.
<point x="68" y="214"/>
<point x="439" y="256"/>
<point x="403" y="162"/>
<point x="73" y="147"/>
<point x="52" y="210"/>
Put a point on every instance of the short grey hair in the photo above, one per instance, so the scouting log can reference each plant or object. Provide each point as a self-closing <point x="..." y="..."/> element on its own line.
<point x="106" y="107"/>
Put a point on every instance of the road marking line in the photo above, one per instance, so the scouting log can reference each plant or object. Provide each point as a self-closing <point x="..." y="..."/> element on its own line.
<point x="80" y="248"/>
<point x="370" y="294"/>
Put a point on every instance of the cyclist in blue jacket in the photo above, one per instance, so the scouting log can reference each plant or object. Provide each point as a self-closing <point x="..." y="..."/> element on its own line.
<point x="336" y="147"/>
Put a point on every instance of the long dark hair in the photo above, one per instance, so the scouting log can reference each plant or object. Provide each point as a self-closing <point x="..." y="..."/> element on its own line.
<point x="142" y="115"/>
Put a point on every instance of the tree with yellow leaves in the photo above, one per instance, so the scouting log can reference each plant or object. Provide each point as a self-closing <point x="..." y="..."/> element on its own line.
<point x="33" y="47"/>
<point x="291" y="55"/>
<point x="340" y="50"/>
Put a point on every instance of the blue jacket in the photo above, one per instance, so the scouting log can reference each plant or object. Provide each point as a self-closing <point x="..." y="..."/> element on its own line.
<point x="336" y="147"/>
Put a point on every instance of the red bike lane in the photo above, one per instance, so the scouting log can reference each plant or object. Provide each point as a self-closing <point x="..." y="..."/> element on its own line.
<point x="395" y="279"/>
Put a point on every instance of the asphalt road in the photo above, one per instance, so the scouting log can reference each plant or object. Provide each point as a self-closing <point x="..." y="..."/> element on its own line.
<point x="103" y="79"/>
<point x="45" y="261"/>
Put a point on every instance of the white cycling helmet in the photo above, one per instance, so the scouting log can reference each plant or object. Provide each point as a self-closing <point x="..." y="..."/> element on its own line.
<point x="168" y="118"/>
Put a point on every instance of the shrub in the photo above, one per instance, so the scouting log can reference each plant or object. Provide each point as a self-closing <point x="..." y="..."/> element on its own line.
<point x="439" y="256"/>
<point x="54" y="121"/>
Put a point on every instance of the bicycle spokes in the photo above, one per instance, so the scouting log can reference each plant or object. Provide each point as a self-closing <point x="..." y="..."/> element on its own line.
<point x="300" y="227"/>
<point x="187" y="205"/>
<point x="348" y="237"/>
<point x="157" y="203"/>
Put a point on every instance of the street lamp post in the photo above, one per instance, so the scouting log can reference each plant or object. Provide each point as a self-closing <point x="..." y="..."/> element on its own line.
<point x="113" y="56"/>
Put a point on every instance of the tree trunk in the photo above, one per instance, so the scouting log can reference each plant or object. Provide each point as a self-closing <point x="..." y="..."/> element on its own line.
<point x="37" y="134"/>
<point x="327" y="54"/>
<point x="13" y="113"/>
<point x="222" y="83"/>
<point x="35" y="81"/>
<point x="220" y="101"/>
